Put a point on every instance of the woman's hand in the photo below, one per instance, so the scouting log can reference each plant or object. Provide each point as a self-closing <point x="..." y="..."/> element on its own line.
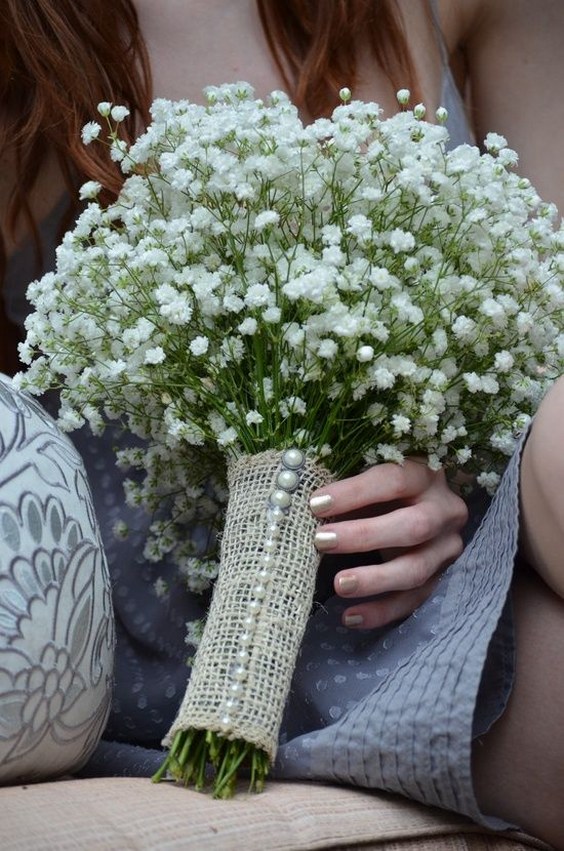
<point x="410" y="516"/>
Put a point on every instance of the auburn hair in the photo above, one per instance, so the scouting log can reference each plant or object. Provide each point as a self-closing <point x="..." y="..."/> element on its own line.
<point x="60" y="58"/>
<point x="315" y="46"/>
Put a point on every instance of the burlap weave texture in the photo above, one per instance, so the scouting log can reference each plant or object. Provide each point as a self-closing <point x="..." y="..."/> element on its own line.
<point x="246" y="658"/>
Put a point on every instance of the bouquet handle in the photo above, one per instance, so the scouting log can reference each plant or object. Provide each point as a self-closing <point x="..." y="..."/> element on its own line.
<point x="261" y="602"/>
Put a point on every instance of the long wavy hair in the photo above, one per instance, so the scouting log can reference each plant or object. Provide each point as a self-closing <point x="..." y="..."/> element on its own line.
<point x="315" y="46"/>
<point x="58" y="60"/>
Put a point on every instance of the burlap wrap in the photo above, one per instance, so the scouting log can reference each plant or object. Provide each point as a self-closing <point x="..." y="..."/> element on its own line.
<point x="278" y="618"/>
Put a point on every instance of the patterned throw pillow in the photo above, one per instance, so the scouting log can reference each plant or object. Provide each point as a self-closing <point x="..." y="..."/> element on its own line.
<point x="56" y="624"/>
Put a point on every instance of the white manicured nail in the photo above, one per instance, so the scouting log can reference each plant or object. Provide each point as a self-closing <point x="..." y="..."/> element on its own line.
<point x="347" y="584"/>
<point x="318" y="503"/>
<point x="353" y="620"/>
<point x="325" y="540"/>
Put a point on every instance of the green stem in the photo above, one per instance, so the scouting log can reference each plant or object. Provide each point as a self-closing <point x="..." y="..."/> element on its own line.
<point x="192" y="751"/>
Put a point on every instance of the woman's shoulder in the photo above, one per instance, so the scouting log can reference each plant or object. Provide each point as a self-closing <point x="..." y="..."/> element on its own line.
<point x="465" y="20"/>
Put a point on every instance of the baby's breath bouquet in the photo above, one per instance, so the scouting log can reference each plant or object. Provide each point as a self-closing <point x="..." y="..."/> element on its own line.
<point x="290" y="303"/>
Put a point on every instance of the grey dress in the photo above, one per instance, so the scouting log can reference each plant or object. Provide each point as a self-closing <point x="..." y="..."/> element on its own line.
<point x="394" y="709"/>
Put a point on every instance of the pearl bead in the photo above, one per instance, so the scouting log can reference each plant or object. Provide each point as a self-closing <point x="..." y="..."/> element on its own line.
<point x="288" y="480"/>
<point x="293" y="459"/>
<point x="268" y="560"/>
<point x="259" y="591"/>
<point x="280" y="498"/>
<point x="269" y="546"/>
<point x="240" y="673"/>
<point x="245" y="639"/>
<point x="275" y="514"/>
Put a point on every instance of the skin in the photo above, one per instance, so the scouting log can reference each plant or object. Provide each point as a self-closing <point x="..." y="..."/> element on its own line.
<point x="508" y="59"/>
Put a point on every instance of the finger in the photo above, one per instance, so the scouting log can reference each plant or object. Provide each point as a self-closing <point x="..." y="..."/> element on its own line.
<point x="379" y="484"/>
<point x="409" y="526"/>
<point x="408" y="571"/>
<point x="390" y="608"/>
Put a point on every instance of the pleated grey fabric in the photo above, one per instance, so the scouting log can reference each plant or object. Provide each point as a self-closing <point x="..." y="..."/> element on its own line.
<point x="399" y="710"/>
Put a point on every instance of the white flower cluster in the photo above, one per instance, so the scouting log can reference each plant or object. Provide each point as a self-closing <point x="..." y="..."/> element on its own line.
<point x="350" y="287"/>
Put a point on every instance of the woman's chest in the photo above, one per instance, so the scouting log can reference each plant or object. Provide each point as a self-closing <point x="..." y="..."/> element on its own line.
<point x="196" y="43"/>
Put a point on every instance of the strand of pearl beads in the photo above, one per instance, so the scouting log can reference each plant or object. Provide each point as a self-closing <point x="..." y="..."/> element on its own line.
<point x="279" y="502"/>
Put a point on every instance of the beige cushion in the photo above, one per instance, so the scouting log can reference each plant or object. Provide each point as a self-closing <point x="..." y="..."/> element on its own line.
<point x="125" y="813"/>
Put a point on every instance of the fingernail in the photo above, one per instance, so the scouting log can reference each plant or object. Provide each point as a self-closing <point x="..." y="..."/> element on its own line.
<point x="353" y="620"/>
<point x="318" y="503"/>
<point x="347" y="584"/>
<point x="325" y="540"/>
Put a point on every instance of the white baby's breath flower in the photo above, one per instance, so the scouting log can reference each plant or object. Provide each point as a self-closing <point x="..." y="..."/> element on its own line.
<point x="253" y="418"/>
<point x="155" y="355"/>
<point x="266" y="219"/>
<point x="360" y="227"/>
<point x="118" y="113"/>
<point x="504" y="361"/>
<point x="390" y="452"/>
<point x="494" y="142"/>
<point x="90" y="131"/>
<point x="383" y="378"/>
<point x="258" y="295"/>
<point x="489" y="481"/>
<point x="118" y="150"/>
<point x="332" y="235"/>
<point x="463" y="455"/>
<point x="333" y="256"/>
<point x="364" y="354"/>
<point x="292" y="405"/>
<point x="441" y="115"/>
<point x="194" y="632"/>
<point x="401" y="240"/>
<point x="434" y="462"/>
<point x="473" y="382"/>
<point x="227" y="437"/>
<point x="400" y="424"/>
<point x="490" y="385"/>
<point x="70" y="420"/>
<point x="504" y="441"/>
<point x="199" y="345"/>
<point x="464" y="328"/>
<point x="327" y="349"/>
<point x="104" y="108"/>
<point x="89" y="190"/>
<point x="248" y="326"/>
<point x="272" y="315"/>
